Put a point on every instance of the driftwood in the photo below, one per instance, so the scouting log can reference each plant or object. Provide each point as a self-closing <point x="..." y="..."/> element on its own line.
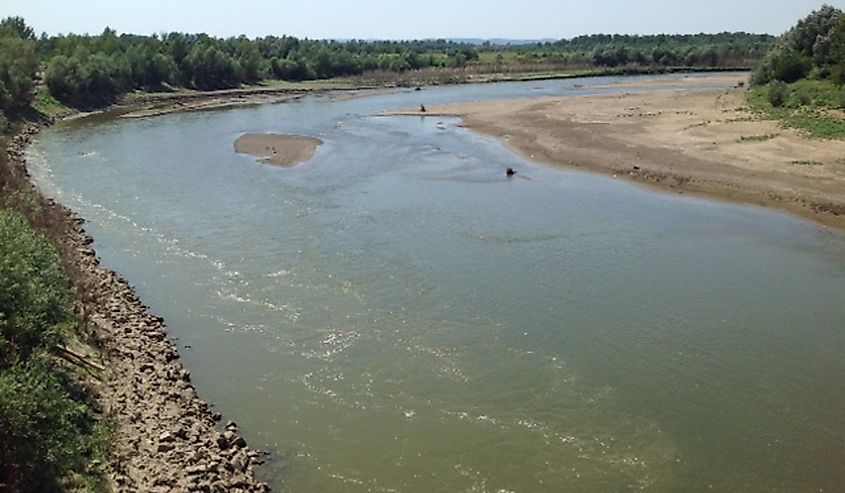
<point x="67" y="353"/>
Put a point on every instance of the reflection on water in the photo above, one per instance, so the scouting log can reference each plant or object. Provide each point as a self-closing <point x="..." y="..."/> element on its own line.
<point x="397" y="315"/>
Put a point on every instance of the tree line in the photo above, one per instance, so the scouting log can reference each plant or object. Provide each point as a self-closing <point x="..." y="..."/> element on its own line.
<point x="88" y="70"/>
<point x="736" y="50"/>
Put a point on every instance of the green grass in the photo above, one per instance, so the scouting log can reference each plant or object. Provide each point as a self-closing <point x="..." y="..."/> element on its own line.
<point x="814" y="107"/>
<point x="46" y="104"/>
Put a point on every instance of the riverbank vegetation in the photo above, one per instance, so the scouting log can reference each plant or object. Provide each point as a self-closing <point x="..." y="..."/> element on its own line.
<point x="50" y="433"/>
<point x="802" y="81"/>
<point x="93" y="70"/>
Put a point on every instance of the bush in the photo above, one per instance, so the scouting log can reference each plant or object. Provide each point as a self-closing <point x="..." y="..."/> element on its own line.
<point x="790" y="67"/>
<point x="837" y="74"/>
<point x="778" y="93"/>
<point x="803" y="97"/>
<point x="44" y="430"/>
<point x="34" y="292"/>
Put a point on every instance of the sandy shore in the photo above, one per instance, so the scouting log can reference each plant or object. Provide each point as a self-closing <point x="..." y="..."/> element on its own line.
<point x="694" y="141"/>
<point x="278" y="149"/>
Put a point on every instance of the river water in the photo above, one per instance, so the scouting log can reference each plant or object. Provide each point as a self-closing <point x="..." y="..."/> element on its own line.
<point x="398" y="316"/>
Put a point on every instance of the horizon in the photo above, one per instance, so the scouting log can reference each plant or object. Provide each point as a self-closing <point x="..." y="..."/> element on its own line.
<point x="327" y="19"/>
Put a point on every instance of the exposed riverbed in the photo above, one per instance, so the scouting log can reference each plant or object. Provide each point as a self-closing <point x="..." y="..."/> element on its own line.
<point x="397" y="315"/>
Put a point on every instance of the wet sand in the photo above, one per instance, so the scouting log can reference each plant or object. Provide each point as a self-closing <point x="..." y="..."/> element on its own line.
<point x="691" y="141"/>
<point x="281" y="150"/>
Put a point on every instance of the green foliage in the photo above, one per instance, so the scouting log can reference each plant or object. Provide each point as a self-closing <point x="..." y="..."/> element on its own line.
<point x="790" y="67"/>
<point x="813" y="37"/>
<point x="809" y="105"/>
<point x="837" y="70"/>
<point x="782" y="65"/>
<point x="34" y="292"/>
<point x="15" y="27"/>
<point x="814" y="47"/>
<point x="44" y="429"/>
<point x="148" y="67"/>
<point x="778" y="92"/>
<point x="85" y="79"/>
<point x="18" y="64"/>
<point x="837" y="74"/>
<point x="46" y="104"/>
<point x="76" y="76"/>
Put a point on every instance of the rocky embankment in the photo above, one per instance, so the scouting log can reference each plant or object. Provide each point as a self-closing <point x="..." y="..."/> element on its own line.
<point x="167" y="438"/>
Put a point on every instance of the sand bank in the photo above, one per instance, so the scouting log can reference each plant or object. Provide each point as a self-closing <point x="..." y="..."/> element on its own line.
<point x="206" y="102"/>
<point x="696" y="141"/>
<point x="281" y="150"/>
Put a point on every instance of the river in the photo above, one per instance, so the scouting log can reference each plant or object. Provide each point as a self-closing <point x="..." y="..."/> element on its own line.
<point x="398" y="316"/>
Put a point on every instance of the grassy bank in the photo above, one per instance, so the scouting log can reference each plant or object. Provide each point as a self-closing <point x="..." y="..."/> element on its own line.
<point x="815" y="107"/>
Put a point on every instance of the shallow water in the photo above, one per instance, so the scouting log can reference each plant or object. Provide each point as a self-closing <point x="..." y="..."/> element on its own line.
<point x="396" y="315"/>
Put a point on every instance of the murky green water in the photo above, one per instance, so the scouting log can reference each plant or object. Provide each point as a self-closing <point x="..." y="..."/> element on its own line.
<point x="396" y="315"/>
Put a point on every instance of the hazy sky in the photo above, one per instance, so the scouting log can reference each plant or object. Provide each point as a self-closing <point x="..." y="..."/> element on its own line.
<point x="403" y="19"/>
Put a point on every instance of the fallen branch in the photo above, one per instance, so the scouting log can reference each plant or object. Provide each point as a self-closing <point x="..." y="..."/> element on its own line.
<point x="80" y="357"/>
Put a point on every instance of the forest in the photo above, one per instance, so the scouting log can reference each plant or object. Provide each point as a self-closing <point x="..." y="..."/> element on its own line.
<point x="92" y="70"/>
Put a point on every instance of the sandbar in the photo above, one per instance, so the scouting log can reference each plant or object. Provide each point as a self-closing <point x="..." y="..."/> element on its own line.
<point x="278" y="149"/>
<point x="703" y="142"/>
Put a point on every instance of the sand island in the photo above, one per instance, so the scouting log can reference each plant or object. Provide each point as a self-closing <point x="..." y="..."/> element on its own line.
<point x="278" y="149"/>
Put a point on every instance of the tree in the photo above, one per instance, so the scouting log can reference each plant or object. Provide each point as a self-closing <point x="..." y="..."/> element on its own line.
<point x="149" y="67"/>
<point x="16" y="27"/>
<point x="838" y="69"/>
<point x="815" y="45"/>
<point x="249" y="59"/>
<point x="813" y="35"/>
<point x="18" y="64"/>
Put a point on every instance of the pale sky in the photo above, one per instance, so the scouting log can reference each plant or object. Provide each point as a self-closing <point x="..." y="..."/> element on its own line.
<point x="405" y="19"/>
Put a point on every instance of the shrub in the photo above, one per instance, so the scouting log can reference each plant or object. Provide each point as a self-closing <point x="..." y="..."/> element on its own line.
<point x="44" y="430"/>
<point x="790" y="67"/>
<point x="804" y="97"/>
<point x="778" y="93"/>
<point x="837" y="74"/>
<point x="34" y="292"/>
